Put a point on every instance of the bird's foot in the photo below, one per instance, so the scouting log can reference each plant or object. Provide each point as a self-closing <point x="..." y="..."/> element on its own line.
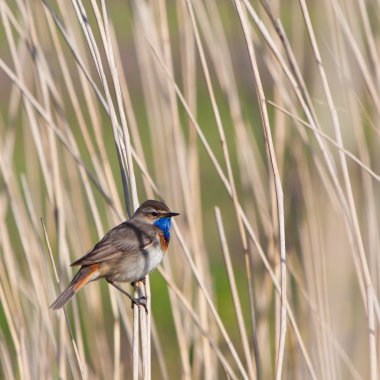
<point x="141" y="301"/>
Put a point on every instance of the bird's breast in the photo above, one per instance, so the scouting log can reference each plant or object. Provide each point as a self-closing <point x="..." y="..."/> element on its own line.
<point x="134" y="267"/>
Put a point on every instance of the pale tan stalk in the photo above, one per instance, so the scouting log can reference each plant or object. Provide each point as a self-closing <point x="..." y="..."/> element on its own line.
<point x="135" y="341"/>
<point x="159" y="351"/>
<point x="353" y="213"/>
<point x="348" y="153"/>
<point x="195" y="318"/>
<point x="374" y="94"/>
<point x="211" y="304"/>
<point x="79" y="361"/>
<point x="31" y="116"/>
<point x="232" y="283"/>
<point x="325" y="326"/>
<point x="277" y="184"/>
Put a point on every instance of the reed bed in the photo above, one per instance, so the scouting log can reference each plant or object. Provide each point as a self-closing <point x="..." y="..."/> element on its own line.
<point x="258" y="121"/>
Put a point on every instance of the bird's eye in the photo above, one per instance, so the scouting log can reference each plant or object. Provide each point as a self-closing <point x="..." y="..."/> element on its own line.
<point x="154" y="213"/>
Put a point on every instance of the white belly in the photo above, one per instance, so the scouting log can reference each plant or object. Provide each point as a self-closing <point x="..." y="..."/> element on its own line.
<point x="136" y="267"/>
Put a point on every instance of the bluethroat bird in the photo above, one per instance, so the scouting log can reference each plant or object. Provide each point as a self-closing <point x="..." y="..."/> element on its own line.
<point x="127" y="253"/>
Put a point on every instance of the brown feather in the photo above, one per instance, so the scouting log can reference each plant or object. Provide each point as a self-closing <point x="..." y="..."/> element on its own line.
<point x="81" y="278"/>
<point x="125" y="239"/>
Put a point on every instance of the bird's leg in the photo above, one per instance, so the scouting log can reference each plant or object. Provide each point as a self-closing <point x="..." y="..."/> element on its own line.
<point x="141" y="301"/>
<point x="143" y="280"/>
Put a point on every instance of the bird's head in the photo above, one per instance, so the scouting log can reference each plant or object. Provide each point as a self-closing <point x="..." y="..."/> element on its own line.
<point x="152" y="211"/>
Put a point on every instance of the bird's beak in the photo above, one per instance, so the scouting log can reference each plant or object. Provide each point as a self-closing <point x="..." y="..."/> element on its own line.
<point x="170" y="214"/>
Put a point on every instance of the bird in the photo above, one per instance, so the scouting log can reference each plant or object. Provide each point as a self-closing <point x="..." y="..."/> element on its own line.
<point x="127" y="253"/>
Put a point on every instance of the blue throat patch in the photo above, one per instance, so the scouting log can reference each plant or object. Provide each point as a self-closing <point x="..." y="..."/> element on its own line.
<point x="164" y="225"/>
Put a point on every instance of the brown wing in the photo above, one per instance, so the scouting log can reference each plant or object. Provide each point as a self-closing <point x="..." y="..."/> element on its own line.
<point x="125" y="239"/>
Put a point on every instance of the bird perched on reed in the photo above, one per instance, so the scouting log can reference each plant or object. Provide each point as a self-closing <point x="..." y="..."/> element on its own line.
<point x="127" y="253"/>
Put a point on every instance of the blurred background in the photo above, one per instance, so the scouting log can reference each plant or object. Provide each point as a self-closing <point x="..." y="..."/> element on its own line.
<point x="107" y="104"/>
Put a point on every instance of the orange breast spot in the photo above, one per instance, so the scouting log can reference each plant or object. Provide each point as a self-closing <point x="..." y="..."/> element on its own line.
<point x="163" y="242"/>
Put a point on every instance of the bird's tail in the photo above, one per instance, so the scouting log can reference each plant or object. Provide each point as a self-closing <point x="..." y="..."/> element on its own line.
<point x="84" y="275"/>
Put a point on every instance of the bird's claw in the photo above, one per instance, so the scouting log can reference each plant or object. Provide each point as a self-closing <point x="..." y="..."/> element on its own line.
<point x="141" y="301"/>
